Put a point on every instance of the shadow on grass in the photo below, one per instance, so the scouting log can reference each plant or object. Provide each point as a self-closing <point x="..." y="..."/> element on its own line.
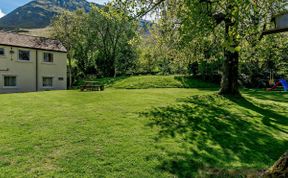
<point x="268" y="95"/>
<point x="190" y="82"/>
<point x="218" y="133"/>
<point x="269" y="117"/>
<point x="107" y="81"/>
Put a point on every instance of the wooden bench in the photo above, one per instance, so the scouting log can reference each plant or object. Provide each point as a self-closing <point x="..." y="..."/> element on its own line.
<point x="91" y="86"/>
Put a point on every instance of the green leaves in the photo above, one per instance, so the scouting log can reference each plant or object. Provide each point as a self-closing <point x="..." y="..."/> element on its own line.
<point x="99" y="40"/>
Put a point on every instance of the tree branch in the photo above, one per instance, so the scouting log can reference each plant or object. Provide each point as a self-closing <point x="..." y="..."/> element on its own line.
<point x="145" y="12"/>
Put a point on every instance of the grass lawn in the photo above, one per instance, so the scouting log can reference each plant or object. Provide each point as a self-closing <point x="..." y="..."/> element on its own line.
<point x="109" y="134"/>
<point x="153" y="81"/>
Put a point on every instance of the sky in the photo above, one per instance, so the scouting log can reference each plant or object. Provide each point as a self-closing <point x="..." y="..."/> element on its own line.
<point x="7" y="6"/>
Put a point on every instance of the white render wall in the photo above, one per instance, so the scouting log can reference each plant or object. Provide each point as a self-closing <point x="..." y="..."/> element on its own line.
<point x="25" y="71"/>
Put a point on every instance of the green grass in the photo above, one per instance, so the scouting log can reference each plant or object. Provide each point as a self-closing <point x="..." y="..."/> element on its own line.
<point x="109" y="134"/>
<point x="223" y="136"/>
<point x="153" y="81"/>
<point x="75" y="134"/>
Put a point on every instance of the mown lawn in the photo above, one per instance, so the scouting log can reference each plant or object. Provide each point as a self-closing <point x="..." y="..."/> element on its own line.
<point x="109" y="134"/>
<point x="153" y="81"/>
<point x="74" y="134"/>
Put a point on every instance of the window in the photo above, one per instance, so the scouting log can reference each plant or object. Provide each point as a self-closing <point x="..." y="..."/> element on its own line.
<point x="47" y="82"/>
<point x="2" y="52"/>
<point x="9" y="81"/>
<point x="48" y="57"/>
<point x="24" y="55"/>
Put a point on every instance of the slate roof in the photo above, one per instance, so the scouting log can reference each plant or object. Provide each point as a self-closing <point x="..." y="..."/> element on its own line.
<point x="33" y="42"/>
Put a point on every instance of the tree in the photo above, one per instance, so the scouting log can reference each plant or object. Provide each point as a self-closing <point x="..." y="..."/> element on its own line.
<point x="99" y="43"/>
<point x="268" y="56"/>
<point x="67" y="28"/>
<point x="160" y="50"/>
<point x="240" y="21"/>
<point x="112" y="30"/>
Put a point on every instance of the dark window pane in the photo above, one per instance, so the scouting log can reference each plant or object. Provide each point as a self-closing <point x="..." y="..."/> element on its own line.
<point x="47" y="81"/>
<point x="9" y="81"/>
<point x="24" y="55"/>
<point x="2" y="52"/>
<point x="48" y="57"/>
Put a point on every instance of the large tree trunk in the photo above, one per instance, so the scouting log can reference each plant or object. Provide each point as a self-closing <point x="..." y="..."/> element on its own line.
<point x="280" y="168"/>
<point x="229" y="82"/>
<point x="111" y="72"/>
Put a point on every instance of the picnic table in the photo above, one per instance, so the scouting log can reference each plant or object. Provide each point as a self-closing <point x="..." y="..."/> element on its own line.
<point x="92" y="86"/>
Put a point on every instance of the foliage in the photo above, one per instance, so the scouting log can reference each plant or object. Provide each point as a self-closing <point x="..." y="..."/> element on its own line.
<point x="148" y="62"/>
<point x="235" y="21"/>
<point x="100" y="42"/>
<point x="183" y="39"/>
<point x="159" y="53"/>
<point x="266" y="58"/>
<point x="112" y="31"/>
<point x="67" y="29"/>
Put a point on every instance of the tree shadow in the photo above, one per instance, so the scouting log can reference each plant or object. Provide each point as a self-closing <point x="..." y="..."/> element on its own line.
<point x="270" y="118"/>
<point x="106" y="81"/>
<point x="268" y="95"/>
<point x="190" y="82"/>
<point x="218" y="133"/>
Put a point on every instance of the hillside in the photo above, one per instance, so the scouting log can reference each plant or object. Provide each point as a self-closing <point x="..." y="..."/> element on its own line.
<point x="44" y="32"/>
<point x="39" y="13"/>
<point x="150" y="81"/>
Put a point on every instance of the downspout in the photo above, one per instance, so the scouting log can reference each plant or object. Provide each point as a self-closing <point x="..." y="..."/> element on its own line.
<point x="36" y="70"/>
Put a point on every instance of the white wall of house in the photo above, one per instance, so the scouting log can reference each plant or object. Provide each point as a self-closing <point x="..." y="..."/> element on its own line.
<point x="25" y="71"/>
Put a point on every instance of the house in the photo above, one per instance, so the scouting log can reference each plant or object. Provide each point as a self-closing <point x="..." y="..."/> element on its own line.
<point x="29" y="63"/>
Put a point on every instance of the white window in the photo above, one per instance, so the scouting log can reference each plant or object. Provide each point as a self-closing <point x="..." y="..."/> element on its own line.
<point x="9" y="81"/>
<point x="47" y="82"/>
<point x="2" y="51"/>
<point x="48" y="57"/>
<point x="24" y="55"/>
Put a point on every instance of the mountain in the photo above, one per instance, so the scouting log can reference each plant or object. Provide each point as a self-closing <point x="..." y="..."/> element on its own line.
<point x="39" y="13"/>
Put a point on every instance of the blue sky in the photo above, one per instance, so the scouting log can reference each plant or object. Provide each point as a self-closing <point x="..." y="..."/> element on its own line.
<point x="7" y="6"/>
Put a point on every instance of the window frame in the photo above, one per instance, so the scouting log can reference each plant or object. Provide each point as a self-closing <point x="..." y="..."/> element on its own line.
<point x="52" y="78"/>
<point x="4" y="86"/>
<point x="48" y="53"/>
<point x="22" y="50"/>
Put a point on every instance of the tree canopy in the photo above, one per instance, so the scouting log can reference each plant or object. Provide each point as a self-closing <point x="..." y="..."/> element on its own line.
<point x="99" y="42"/>
<point x="237" y="22"/>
